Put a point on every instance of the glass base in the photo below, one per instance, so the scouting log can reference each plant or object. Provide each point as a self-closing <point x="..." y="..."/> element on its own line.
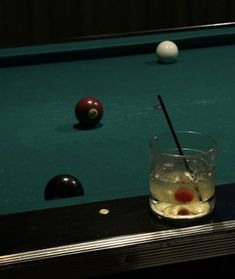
<point x="182" y="211"/>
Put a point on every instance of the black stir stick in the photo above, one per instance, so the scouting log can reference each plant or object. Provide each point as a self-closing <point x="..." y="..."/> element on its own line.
<point x="171" y="126"/>
<point x="177" y="142"/>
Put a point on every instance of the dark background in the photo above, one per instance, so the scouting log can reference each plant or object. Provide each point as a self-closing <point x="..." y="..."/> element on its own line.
<point x="26" y="22"/>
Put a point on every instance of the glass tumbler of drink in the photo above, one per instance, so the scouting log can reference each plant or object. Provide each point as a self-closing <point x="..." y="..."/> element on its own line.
<point x="181" y="180"/>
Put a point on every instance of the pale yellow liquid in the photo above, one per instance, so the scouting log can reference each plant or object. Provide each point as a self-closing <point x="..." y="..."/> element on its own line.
<point x="165" y="181"/>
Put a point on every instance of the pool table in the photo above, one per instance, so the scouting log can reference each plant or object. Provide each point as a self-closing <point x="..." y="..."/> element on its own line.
<point x="110" y="229"/>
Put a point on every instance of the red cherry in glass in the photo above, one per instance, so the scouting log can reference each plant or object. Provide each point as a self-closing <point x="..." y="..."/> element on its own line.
<point x="184" y="195"/>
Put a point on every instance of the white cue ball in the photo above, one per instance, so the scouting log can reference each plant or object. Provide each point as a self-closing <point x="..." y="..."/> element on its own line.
<point x="167" y="52"/>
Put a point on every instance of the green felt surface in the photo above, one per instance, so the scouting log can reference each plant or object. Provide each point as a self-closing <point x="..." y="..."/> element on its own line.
<point x="38" y="138"/>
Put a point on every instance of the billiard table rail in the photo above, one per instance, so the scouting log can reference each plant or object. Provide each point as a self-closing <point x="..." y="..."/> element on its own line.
<point x="130" y="237"/>
<point x="118" y="45"/>
<point x="172" y="246"/>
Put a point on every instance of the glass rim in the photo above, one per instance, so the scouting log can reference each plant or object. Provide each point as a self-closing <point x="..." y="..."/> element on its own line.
<point x="212" y="141"/>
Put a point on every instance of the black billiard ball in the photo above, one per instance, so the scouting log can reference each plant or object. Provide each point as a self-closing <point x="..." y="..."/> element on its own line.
<point x="63" y="186"/>
<point x="89" y="111"/>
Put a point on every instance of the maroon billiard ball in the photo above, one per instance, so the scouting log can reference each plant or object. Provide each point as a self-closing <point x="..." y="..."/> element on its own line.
<point x="89" y="111"/>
